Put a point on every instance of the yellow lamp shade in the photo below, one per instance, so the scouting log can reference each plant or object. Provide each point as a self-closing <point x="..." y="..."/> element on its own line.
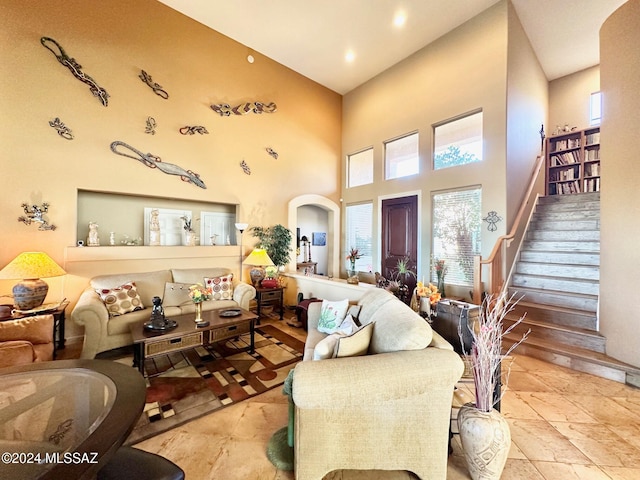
<point x="258" y="258"/>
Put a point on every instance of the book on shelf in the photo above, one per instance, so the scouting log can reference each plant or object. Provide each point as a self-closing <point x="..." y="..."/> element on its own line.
<point x="592" y="154"/>
<point x="565" y="144"/>
<point x="592" y="138"/>
<point x="565" y="158"/>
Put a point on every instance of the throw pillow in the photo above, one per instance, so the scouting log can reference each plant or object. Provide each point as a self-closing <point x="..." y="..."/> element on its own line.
<point x="331" y="315"/>
<point x="354" y="311"/>
<point x="348" y="326"/>
<point x="122" y="299"/>
<point x="221" y="287"/>
<point x="176" y="294"/>
<point x="326" y="347"/>
<point x="356" y="344"/>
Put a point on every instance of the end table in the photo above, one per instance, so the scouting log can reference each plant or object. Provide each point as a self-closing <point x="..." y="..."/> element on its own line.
<point x="270" y="296"/>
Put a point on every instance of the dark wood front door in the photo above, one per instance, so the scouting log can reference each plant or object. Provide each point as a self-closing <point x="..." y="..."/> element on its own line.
<point x="400" y="237"/>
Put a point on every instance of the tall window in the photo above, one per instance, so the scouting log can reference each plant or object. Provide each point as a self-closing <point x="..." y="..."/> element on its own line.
<point x="456" y="233"/>
<point x="595" y="108"/>
<point x="401" y="157"/>
<point x="360" y="168"/>
<point x="458" y="142"/>
<point x="359" y="234"/>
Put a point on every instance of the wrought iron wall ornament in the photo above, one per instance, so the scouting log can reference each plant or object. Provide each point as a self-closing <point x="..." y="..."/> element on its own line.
<point x="35" y="214"/>
<point x="153" y="161"/>
<point x="492" y="218"/>
<point x="151" y="126"/>
<point x="76" y="69"/>
<point x="225" y="110"/>
<point x="272" y="152"/>
<point x="62" y="129"/>
<point x="245" y="167"/>
<point x="193" y="130"/>
<point x="157" y="89"/>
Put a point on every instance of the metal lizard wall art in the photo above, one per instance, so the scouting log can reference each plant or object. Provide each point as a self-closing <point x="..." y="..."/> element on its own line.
<point x="153" y="161"/>
<point x="225" y="110"/>
<point x="157" y="89"/>
<point x="76" y="70"/>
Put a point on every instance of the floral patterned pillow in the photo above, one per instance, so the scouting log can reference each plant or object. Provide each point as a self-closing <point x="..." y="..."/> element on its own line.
<point x="122" y="299"/>
<point x="331" y="315"/>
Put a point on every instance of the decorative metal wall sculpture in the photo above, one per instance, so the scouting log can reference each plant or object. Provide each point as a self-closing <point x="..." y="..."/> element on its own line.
<point x="225" y="110"/>
<point x="151" y="126"/>
<point x="193" y="130"/>
<point x="63" y="130"/>
<point x="157" y="89"/>
<point x="153" y="161"/>
<point x="76" y="70"/>
<point x="35" y="214"/>
<point x="492" y="218"/>
<point x="272" y="152"/>
<point x="245" y="167"/>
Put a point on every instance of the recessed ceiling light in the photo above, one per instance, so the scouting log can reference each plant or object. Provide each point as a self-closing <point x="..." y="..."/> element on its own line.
<point x="250" y="58"/>
<point x="350" y="56"/>
<point x="399" y="19"/>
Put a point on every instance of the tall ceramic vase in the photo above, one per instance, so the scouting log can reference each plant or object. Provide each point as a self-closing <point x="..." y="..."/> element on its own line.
<point x="486" y="440"/>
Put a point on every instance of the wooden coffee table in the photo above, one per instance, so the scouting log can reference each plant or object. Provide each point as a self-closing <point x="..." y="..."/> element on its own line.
<point x="186" y="335"/>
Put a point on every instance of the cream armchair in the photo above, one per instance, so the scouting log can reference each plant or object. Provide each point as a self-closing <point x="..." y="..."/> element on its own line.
<point x="382" y="411"/>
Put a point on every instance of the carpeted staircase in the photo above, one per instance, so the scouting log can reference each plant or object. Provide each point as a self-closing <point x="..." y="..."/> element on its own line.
<point x="558" y="272"/>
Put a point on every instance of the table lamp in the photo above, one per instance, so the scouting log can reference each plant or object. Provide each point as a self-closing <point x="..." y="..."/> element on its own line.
<point x="30" y="266"/>
<point x="258" y="259"/>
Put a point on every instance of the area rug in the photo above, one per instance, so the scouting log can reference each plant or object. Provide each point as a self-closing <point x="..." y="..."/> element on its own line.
<point x="183" y="386"/>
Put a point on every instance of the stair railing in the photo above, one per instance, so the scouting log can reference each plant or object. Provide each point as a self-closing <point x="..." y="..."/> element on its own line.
<point x="501" y="255"/>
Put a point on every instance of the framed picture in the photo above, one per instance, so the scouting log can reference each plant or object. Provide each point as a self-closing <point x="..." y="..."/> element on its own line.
<point x="319" y="239"/>
<point x="217" y="228"/>
<point x="171" y="225"/>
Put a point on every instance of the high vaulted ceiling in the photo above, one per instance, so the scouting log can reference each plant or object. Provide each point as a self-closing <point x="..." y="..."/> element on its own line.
<point x="312" y="37"/>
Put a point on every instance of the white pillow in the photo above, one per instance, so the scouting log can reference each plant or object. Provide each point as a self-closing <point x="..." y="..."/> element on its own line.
<point x="331" y="315"/>
<point x="325" y="348"/>
<point x="348" y="326"/>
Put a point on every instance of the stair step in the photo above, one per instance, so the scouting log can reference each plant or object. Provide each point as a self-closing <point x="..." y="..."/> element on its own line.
<point x="584" y="302"/>
<point x="543" y="282"/>
<point x="573" y="258"/>
<point x="575" y="358"/>
<point x="568" y="215"/>
<point x="580" y="197"/>
<point x="561" y="246"/>
<point x="568" y="317"/>
<point x="568" y="206"/>
<point x="576" y="337"/>
<point x="564" y="235"/>
<point x="559" y="270"/>
<point x="540" y="222"/>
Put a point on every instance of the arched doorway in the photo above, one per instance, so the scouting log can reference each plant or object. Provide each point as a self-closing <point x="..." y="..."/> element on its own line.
<point x="333" y="233"/>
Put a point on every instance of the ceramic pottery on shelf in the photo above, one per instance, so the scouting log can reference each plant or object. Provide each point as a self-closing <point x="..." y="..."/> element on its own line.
<point x="486" y="440"/>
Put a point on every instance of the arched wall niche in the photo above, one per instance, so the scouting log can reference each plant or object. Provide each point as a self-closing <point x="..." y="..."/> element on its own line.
<point x="333" y="235"/>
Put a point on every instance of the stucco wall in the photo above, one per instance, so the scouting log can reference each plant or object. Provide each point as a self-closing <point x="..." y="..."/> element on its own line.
<point x="198" y="67"/>
<point x="569" y="99"/>
<point x="620" y="197"/>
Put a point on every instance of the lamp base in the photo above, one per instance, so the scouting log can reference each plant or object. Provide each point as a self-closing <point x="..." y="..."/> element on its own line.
<point x="257" y="274"/>
<point x="30" y="293"/>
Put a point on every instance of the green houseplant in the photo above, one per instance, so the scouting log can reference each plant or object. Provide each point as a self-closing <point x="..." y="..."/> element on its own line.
<point x="276" y="240"/>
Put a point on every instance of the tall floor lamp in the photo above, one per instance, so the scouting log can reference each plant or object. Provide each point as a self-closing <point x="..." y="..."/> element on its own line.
<point x="241" y="227"/>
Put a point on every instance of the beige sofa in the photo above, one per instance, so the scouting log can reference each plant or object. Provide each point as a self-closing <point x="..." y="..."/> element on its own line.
<point x="387" y="410"/>
<point x="104" y="332"/>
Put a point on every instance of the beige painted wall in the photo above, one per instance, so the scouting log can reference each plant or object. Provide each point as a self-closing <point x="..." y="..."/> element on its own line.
<point x="462" y="71"/>
<point x="197" y="67"/>
<point x="569" y="99"/>
<point x="620" y="197"/>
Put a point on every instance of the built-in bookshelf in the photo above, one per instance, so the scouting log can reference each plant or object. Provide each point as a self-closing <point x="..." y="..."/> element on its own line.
<point x="573" y="162"/>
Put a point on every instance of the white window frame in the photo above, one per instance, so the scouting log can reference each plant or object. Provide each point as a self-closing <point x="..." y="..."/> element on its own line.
<point x="471" y="147"/>
<point x="364" y="228"/>
<point x="411" y="163"/>
<point x="595" y="109"/>
<point x="362" y="157"/>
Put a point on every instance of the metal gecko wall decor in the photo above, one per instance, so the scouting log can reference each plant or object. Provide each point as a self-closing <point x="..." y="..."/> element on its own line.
<point x="492" y="218"/>
<point x="157" y="89"/>
<point x="61" y="128"/>
<point x="153" y="161"/>
<point x="193" y="130"/>
<point x="151" y="126"/>
<point x="225" y="110"/>
<point x="76" y="69"/>
<point x="35" y="214"/>
<point x="245" y="167"/>
<point x="272" y="152"/>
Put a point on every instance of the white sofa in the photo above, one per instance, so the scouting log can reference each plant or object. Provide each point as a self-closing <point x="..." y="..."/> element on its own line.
<point x="104" y="332"/>
<point x="387" y="410"/>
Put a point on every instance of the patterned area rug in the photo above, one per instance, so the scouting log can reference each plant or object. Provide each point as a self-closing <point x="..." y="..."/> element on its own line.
<point x="183" y="386"/>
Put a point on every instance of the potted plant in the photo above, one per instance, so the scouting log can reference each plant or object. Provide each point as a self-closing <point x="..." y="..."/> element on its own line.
<point x="276" y="240"/>
<point x="479" y="423"/>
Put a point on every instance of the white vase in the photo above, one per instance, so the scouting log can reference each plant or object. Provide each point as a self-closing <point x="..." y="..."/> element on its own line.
<point x="486" y="440"/>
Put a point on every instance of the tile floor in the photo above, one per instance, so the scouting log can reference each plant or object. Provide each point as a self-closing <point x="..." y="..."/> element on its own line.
<point x="564" y="425"/>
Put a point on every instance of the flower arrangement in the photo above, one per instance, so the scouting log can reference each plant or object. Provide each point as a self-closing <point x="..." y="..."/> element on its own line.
<point x="486" y="350"/>
<point x="354" y="255"/>
<point x="199" y="293"/>
<point x="429" y="291"/>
